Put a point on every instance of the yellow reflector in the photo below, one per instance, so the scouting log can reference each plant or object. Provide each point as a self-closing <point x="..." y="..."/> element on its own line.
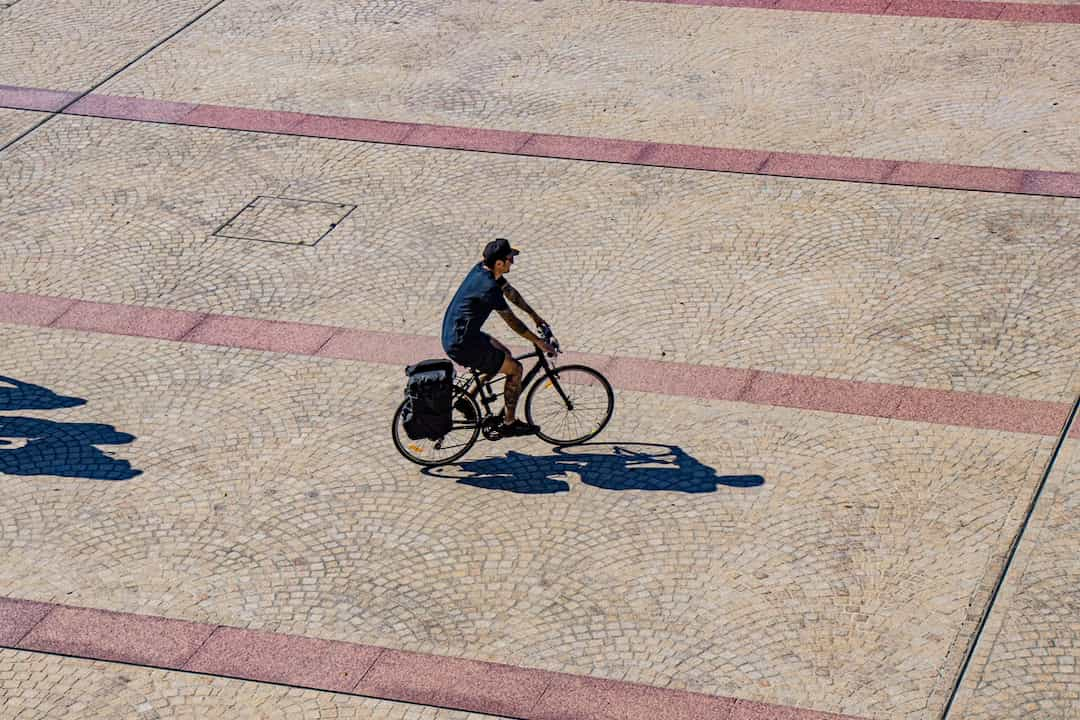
<point x="416" y="448"/>
<point x="547" y="384"/>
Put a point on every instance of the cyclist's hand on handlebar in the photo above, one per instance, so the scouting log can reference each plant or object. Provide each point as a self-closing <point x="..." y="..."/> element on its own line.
<point x="545" y="346"/>
<point x="546" y="340"/>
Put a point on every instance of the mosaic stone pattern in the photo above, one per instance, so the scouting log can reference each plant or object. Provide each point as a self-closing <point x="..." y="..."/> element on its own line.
<point x="1029" y="660"/>
<point x="15" y="122"/>
<point x="813" y="559"/>
<point x="34" y="686"/>
<point x="74" y="45"/>
<point x="932" y="288"/>
<point x="806" y="558"/>
<point x="930" y="89"/>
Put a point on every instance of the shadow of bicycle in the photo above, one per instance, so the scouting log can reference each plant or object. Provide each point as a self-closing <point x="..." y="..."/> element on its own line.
<point x="623" y="466"/>
<point x="34" y="446"/>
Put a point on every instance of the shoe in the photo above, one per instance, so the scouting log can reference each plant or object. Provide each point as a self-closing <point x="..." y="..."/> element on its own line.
<point x="518" y="428"/>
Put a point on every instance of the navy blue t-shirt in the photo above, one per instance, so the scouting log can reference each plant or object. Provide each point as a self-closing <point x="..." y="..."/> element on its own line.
<point x="479" y="294"/>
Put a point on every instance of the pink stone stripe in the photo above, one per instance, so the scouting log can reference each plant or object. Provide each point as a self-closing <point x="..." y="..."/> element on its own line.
<point x="131" y="108"/>
<point x="18" y="617"/>
<point x="238" y="118"/>
<point x="354" y="668"/>
<point x="255" y="334"/>
<point x="118" y="637"/>
<point x="898" y="402"/>
<point x="585" y="148"/>
<point x="21" y="309"/>
<point x="455" y="682"/>
<point x="128" y="320"/>
<point x="28" y="98"/>
<point x="285" y="659"/>
<point x="960" y="9"/>
<point x="634" y="152"/>
<point x="459" y="138"/>
<point x="571" y="697"/>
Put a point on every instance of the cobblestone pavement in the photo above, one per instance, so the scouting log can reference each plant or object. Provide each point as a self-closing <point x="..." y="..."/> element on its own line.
<point x="35" y="686"/>
<point x="792" y="557"/>
<point x="14" y="122"/>
<point x="822" y="560"/>
<point x="1028" y="660"/>
<point x="934" y="288"/>
<point x="930" y="89"/>
<point x="75" y="44"/>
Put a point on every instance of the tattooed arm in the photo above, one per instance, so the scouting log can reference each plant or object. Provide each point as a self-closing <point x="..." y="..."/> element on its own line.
<point x="515" y="297"/>
<point x="519" y="327"/>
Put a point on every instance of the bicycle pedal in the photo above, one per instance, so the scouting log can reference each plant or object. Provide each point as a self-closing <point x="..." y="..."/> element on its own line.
<point x="490" y="428"/>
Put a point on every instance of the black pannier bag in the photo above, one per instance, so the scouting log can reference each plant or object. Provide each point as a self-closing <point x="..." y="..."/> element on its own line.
<point x="427" y="399"/>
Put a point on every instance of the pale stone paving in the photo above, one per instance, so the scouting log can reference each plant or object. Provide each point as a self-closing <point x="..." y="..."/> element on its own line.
<point x="1028" y="663"/>
<point x="15" y="122"/>
<point x="34" y="686"/>
<point x="933" y="288"/>
<point x="827" y="561"/>
<point x="926" y="89"/>
<point x="72" y="45"/>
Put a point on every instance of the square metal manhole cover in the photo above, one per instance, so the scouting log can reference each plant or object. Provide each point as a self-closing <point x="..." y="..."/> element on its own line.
<point x="285" y="220"/>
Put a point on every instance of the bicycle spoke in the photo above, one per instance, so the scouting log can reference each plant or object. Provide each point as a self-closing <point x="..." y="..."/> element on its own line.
<point x="457" y="441"/>
<point x="589" y="400"/>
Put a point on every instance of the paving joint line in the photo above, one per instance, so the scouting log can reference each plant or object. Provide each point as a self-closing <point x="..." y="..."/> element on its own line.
<point x="15" y="645"/>
<point x="540" y="697"/>
<point x="374" y="662"/>
<point x="195" y="652"/>
<point x="202" y="320"/>
<point x="71" y="306"/>
<point x="1014" y="547"/>
<point x="335" y="332"/>
<point x="62" y="110"/>
<point x="355" y="691"/>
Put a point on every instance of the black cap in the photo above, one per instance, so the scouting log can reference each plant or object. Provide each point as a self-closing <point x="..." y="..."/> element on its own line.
<point x="498" y="249"/>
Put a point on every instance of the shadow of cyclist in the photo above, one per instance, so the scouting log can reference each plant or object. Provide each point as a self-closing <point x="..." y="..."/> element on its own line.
<point x="33" y="446"/>
<point x="627" y="466"/>
<point x="19" y="395"/>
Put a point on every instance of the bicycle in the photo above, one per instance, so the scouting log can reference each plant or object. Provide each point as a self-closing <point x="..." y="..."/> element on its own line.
<point x="577" y="395"/>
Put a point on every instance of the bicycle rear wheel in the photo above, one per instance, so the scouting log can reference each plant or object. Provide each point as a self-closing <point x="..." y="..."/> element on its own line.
<point x="571" y="405"/>
<point x="464" y="429"/>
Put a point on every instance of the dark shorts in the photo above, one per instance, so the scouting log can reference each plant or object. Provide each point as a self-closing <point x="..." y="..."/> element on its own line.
<point x="478" y="353"/>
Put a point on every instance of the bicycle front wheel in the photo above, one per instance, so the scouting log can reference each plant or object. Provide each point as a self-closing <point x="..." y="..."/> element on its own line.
<point x="464" y="429"/>
<point x="572" y="404"/>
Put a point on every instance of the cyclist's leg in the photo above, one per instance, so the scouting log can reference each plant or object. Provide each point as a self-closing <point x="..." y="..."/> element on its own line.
<point x="483" y="354"/>
<point x="511" y="368"/>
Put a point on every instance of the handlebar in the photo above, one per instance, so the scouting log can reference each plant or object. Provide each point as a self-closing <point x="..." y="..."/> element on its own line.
<point x="547" y="336"/>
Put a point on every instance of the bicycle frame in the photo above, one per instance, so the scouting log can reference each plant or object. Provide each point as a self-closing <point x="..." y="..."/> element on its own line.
<point x="486" y="398"/>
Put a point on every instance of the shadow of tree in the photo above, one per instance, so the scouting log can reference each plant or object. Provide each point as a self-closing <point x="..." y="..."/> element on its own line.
<point x="33" y="446"/>
<point x="612" y="466"/>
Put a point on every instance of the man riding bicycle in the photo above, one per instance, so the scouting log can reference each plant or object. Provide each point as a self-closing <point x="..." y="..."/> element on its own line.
<point x="483" y="290"/>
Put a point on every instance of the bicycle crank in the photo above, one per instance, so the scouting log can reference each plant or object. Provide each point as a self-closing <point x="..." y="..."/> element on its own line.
<point x="490" y="428"/>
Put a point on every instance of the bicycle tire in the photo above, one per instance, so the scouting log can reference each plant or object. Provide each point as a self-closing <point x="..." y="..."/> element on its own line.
<point x="595" y="426"/>
<point x="413" y="450"/>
